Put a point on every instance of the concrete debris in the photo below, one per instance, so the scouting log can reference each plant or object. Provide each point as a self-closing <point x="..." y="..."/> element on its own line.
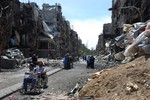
<point x="134" y="41"/>
<point x="50" y="62"/>
<point x="139" y="42"/>
<point x="119" y="56"/>
<point x="129" y="31"/>
<point x="13" y="53"/>
<point x="11" y="58"/>
<point x="130" y="87"/>
<point x="75" y="90"/>
<point x="97" y="74"/>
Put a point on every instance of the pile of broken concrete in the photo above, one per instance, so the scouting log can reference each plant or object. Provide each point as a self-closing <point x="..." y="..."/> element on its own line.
<point x="135" y="40"/>
<point x="11" y="58"/>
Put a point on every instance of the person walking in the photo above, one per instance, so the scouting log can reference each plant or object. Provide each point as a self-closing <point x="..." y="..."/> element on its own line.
<point x="66" y="61"/>
<point x="92" y="60"/>
<point x="34" y="59"/>
<point x="88" y="60"/>
<point x="71" y="61"/>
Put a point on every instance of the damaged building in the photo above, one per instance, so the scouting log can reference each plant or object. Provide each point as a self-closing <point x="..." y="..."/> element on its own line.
<point x="23" y="24"/>
<point x="104" y="38"/>
<point x="130" y="22"/>
<point x="44" y="32"/>
<point x="129" y="12"/>
<point x="65" y="38"/>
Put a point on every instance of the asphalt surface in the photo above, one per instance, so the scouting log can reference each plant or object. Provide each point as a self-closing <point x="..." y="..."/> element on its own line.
<point x="61" y="82"/>
<point x="11" y="80"/>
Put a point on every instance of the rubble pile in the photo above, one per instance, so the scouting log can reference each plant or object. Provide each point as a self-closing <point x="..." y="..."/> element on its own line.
<point x="127" y="82"/>
<point x="134" y="41"/>
<point x="127" y="36"/>
<point x="50" y="62"/>
<point x="11" y="58"/>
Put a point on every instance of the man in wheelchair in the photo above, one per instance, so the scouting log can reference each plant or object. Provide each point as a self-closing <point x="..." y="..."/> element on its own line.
<point x="30" y="77"/>
<point x="36" y="77"/>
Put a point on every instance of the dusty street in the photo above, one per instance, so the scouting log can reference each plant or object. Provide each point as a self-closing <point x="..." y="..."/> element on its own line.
<point x="61" y="82"/>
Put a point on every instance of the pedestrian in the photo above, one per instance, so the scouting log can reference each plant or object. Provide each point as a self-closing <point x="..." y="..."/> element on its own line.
<point x="88" y="62"/>
<point x="34" y="59"/>
<point x="83" y="58"/>
<point x="71" y="61"/>
<point x="92" y="60"/>
<point x="66" y="61"/>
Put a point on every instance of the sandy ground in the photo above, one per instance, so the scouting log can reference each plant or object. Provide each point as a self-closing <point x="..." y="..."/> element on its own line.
<point x="130" y="81"/>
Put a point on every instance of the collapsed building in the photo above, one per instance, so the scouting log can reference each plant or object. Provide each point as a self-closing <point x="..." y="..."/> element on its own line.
<point x="65" y="38"/>
<point x="22" y="25"/>
<point x="128" y="34"/>
<point x="44" y="32"/>
<point x="104" y="38"/>
<point x="129" y="12"/>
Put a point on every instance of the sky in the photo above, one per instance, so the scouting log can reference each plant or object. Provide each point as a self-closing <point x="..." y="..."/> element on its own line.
<point x="86" y="17"/>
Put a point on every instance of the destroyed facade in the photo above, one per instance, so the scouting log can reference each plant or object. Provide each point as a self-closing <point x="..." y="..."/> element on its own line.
<point x="129" y="35"/>
<point x="32" y="30"/>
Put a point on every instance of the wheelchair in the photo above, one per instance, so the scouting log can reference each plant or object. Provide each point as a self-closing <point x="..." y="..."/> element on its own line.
<point x="38" y="86"/>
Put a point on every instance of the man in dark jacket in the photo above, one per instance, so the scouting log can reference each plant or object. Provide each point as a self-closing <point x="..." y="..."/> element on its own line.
<point x="34" y="59"/>
<point x="92" y="59"/>
<point x="66" y="61"/>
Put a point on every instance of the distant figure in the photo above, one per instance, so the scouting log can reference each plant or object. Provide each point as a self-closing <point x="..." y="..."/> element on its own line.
<point x="92" y="60"/>
<point x="66" y="61"/>
<point x="88" y="62"/>
<point x="13" y="41"/>
<point x="34" y="59"/>
<point x="83" y="58"/>
<point x="71" y="61"/>
<point x="31" y="51"/>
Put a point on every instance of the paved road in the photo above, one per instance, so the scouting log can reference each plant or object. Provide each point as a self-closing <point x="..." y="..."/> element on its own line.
<point x="62" y="81"/>
<point x="12" y="80"/>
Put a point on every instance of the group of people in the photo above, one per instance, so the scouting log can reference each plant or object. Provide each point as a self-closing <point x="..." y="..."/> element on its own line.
<point x="68" y="61"/>
<point x="90" y="62"/>
<point x="36" y="70"/>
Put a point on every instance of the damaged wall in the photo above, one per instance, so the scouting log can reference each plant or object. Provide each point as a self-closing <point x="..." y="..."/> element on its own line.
<point x="30" y="25"/>
<point x="21" y="26"/>
<point x="125" y="11"/>
<point x="8" y="10"/>
<point x="24" y="23"/>
<point x="65" y="38"/>
<point x="100" y="45"/>
<point x="105" y="37"/>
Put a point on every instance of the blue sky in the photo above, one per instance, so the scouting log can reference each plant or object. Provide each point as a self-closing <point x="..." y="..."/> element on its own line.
<point x="86" y="17"/>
